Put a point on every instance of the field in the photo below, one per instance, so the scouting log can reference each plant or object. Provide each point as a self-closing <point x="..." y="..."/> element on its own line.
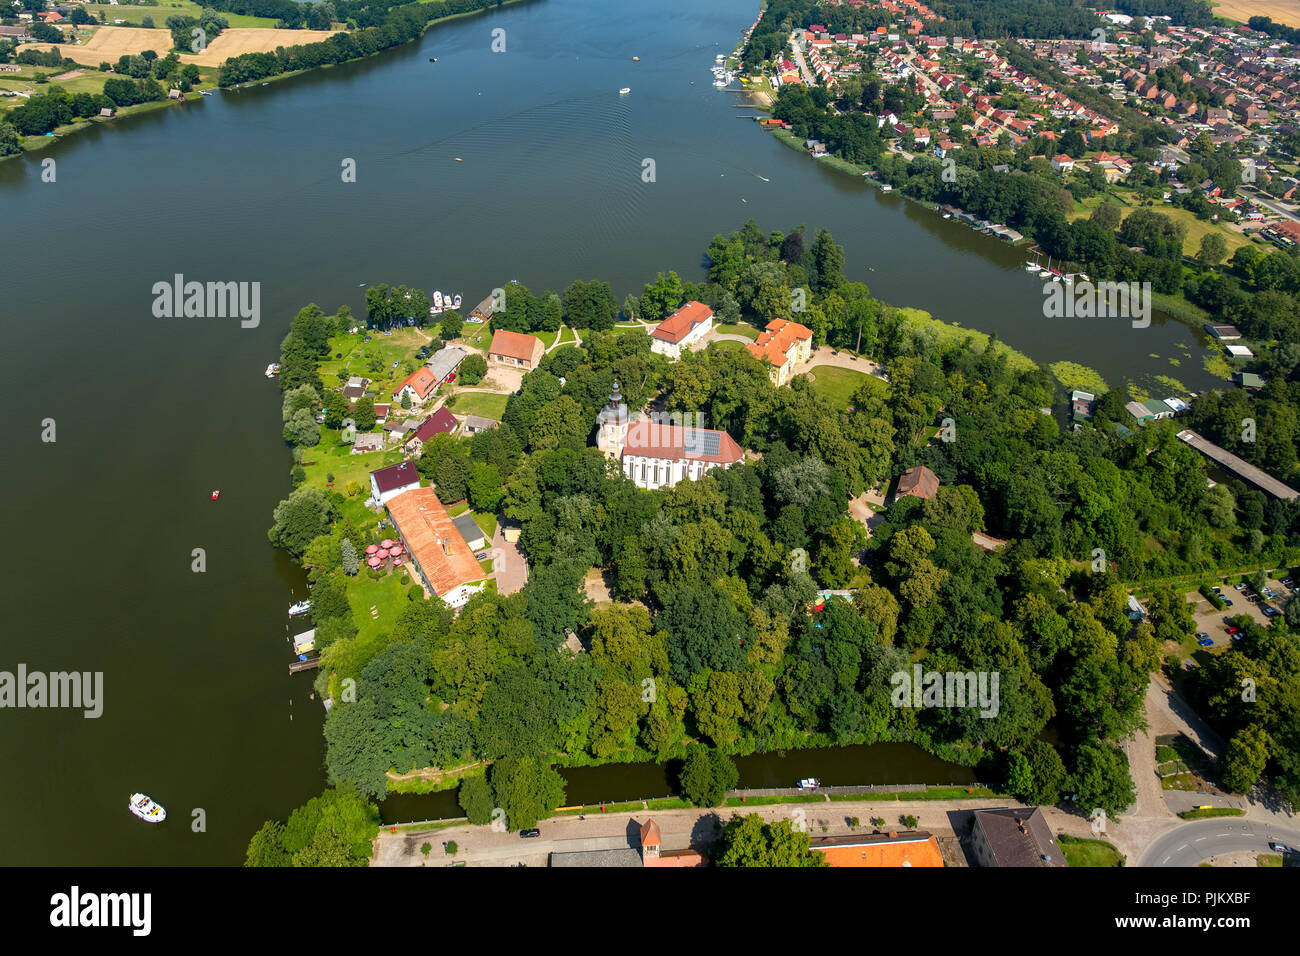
<point x="235" y="41"/>
<point x="107" y="44"/>
<point x="1197" y="229"/>
<point x="484" y="404"/>
<point x="168" y="8"/>
<point x="1282" y="11"/>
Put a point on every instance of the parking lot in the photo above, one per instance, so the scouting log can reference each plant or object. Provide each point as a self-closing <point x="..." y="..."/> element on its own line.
<point x="1210" y="621"/>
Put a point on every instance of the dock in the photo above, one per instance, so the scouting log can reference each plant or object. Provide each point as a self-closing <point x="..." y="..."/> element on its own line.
<point x="297" y="667"/>
<point x="1243" y="469"/>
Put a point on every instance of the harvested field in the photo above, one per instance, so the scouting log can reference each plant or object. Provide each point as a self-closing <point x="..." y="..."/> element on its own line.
<point x="236" y="40"/>
<point x="1281" y="11"/>
<point x="109" y="43"/>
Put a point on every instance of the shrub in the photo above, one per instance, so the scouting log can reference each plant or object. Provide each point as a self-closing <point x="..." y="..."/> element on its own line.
<point x="426" y="848"/>
<point x="416" y="593"/>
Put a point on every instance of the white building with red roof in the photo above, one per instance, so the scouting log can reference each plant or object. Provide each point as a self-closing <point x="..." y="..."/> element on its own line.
<point x="658" y="455"/>
<point x="681" y="330"/>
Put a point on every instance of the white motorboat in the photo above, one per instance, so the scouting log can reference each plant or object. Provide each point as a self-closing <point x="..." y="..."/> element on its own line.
<point x="437" y="301"/>
<point x="809" y="783"/>
<point x="146" y="809"/>
<point x="625" y="91"/>
<point x="302" y="607"/>
<point x="273" y="369"/>
<point x="455" y="304"/>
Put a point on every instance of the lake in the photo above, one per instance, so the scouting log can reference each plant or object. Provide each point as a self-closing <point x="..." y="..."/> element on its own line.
<point x="153" y="414"/>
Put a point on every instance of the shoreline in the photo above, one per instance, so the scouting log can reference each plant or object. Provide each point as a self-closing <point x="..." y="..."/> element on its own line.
<point x="32" y="144"/>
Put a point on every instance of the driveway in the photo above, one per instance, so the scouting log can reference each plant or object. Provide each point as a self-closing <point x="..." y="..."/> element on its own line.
<point x="509" y="567"/>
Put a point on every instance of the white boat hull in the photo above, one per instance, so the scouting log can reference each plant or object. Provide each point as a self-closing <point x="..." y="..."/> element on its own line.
<point x="144" y="808"/>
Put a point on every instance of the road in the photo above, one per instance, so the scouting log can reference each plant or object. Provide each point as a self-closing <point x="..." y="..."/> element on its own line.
<point x="1271" y="204"/>
<point x="796" y="50"/>
<point x="1199" y="840"/>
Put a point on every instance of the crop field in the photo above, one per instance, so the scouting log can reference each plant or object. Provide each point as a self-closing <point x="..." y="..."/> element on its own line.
<point x="1281" y="11"/>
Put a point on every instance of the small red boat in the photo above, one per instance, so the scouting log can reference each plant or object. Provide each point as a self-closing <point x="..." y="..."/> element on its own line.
<point x="216" y="494"/>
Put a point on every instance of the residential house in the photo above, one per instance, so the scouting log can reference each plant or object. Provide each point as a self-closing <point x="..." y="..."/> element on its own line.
<point x="443" y="363"/>
<point x="435" y="548"/>
<point x="919" y="482"/>
<point x="1015" y="836"/>
<point x="367" y="442"/>
<point x="782" y="344"/>
<point x="441" y="422"/>
<point x="417" y="387"/>
<point x="683" y="329"/>
<point x="1062" y="163"/>
<point x="516" y="349"/>
<point x="387" y="483"/>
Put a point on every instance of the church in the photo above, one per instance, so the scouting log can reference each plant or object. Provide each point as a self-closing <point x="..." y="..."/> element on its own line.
<point x="656" y="454"/>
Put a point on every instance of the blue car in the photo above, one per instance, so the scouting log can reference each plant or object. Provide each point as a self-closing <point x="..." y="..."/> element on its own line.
<point x="1205" y="642"/>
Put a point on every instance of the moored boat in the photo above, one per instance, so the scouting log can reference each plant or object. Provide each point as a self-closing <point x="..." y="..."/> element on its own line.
<point x="302" y="607"/>
<point x="809" y="783"/>
<point x="146" y="809"/>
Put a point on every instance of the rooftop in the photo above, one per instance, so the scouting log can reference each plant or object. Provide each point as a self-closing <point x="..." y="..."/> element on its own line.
<point x="918" y="481"/>
<point x="433" y="541"/>
<point x="678" y="325"/>
<point x="653" y="440"/>
<point x="396" y="476"/>
<point x="515" y="345"/>
<point x="908" y="848"/>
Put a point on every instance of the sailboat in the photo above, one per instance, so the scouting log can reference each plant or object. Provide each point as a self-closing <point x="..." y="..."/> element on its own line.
<point x="1033" y="266"/>
<point x="1046" y="273"/>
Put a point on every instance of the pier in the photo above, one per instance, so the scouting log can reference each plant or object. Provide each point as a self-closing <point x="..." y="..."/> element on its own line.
<point x="1238" y="467"/>
<point x="297" y="667"/>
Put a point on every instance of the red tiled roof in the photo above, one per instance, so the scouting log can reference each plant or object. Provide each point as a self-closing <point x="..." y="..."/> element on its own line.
<point x="919" y="481"/>
<point x="774" y="343"/>
<point x="880" y="849"/>
<point x="424" y="525"/>
<point x="421" y="381"/>
<point x="678" y="325"/>
<point x="653" y="440"/>
<point x="516" y="345"/>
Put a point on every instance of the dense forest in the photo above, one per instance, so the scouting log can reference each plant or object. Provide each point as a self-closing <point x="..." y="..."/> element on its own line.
<point x="710" y="647"/>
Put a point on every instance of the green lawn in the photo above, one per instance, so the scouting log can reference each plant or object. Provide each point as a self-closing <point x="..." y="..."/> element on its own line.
<point x="837" y="385"/>
<point x="387" y="596"/>
<point x="740" y="328"/>
<point x="1080" y="852"/>
<point x="489" y="525"/>
<point x="374" y="359"/>
<point x="485" y="404"/>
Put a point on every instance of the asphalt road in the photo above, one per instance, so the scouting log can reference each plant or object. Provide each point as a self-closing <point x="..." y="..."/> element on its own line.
<point x="1260" y="198"/>
<point x="1199" y="840"/>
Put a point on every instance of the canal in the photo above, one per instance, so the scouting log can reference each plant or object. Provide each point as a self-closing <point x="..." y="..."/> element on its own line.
<point x="109" y="524"/>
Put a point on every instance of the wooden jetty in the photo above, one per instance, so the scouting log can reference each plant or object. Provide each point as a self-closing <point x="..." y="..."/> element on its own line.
<point x="297" y="667"/>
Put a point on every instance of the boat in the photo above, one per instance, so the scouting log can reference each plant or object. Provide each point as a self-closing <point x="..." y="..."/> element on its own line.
<point x="636" y="59"/>
<point x="459" y="160"/>
<point x="809" y="783"/>
<point x="302" y="607"/>
<point x="273" y="369"/>
<point x="146" y="809"/>
<point x="216" y="494"/>
<point x="455" y="303"/>
<point x="433" y="59"/>
<point x="437" y="301"/>
<point x="624" y="91"/>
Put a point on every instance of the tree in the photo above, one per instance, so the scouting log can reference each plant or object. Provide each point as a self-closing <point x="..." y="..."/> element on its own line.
<point x="1102" y="778"/>
<point x="827" y="262"/>
<point x="1243" y="761"/>
<point x="475" y="798"/>
<point x="452" y="325"/>
<point x="335" y="829"/>
<point x="300" y="518"/>
<point x="485" y="491"/>
<point x="748" y="841"/>
<point x="1213" y="250"/>
<point x="527" y="789"/>
<point x="472" y="369"/>
<point x="706" y="776"/>
<point x="351" y="562"/>
<point x="363" y="416"/>
<point x="661" y="297"/>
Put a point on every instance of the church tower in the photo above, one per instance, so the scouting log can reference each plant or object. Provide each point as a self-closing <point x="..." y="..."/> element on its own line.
<point x="612" y="424"/>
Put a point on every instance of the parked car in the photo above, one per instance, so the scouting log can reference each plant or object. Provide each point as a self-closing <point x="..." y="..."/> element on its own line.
<point x="1227" y="602"/>
<point x="1237" y="636"/>
<point x="1216" y="589"/>
<point x="1239" y="587"/>
<point x="1271" y="612"/>
<point x="1233" y="629"/>
<point x="528" y="834"/>
<point x="1280" y="848"/>
<point x="1205" y="642"/>
<point x="1201" y="635"/>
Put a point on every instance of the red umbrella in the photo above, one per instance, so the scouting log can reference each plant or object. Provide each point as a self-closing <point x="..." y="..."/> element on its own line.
<point x="381" y="553"/>
<point x="387" y="542"/>
<point x="372" y="548"/>
<point x="397" y="562"/>
<point x="374" y="562"/>
<point x="395" y="550"/>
